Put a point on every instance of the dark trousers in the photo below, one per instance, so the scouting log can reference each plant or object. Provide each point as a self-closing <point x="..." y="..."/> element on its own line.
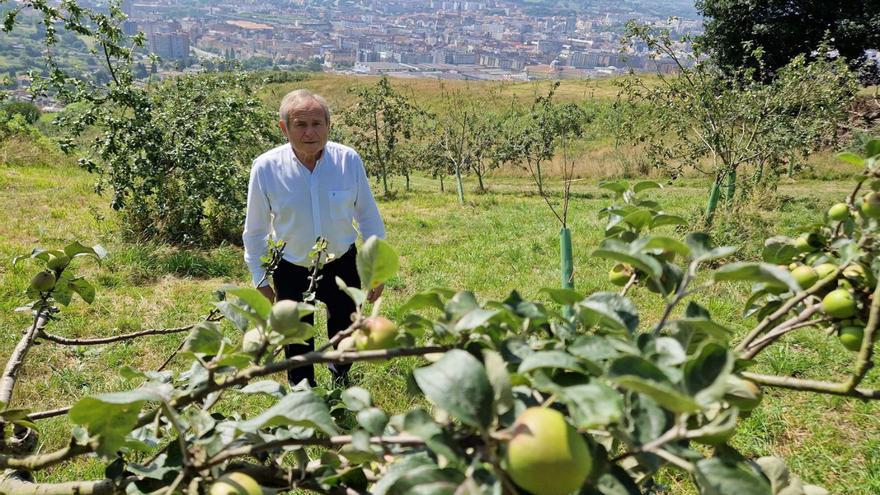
<point x="290" y="283"/>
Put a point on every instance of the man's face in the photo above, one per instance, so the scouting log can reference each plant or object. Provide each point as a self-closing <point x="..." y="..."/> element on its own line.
<point x="306" y="129"/>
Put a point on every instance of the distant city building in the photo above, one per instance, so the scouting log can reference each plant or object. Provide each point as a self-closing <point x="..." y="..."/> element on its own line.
<point x="171" y="46"/>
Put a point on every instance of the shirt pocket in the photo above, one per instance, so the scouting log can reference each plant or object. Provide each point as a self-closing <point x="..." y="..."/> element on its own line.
<point x="341" y="205"/>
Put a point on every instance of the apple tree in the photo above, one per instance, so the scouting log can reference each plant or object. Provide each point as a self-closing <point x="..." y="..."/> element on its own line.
<point x="516" y="396"/>
<point x="175" y="154"/>
<point x="721" y="124"/>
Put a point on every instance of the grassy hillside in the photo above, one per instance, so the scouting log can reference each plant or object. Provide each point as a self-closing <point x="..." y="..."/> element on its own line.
<point x="499" y="241"/>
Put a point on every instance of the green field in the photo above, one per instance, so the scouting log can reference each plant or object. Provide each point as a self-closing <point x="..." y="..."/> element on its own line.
<point x="498" y="241"/>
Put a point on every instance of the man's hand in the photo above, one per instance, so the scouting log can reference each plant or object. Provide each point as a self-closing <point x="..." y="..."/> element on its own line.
<point x="374" y="294"/>
<point x="267" y="291"/>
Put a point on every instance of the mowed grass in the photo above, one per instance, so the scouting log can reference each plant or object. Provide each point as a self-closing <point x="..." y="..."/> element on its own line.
<point x="503" y="240"/>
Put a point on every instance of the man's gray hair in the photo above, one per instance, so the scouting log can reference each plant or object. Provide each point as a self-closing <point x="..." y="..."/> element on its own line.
<point x="298" y="97"/>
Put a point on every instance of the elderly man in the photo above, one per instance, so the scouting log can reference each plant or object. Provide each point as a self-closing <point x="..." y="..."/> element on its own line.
<point x="298" y="192"/>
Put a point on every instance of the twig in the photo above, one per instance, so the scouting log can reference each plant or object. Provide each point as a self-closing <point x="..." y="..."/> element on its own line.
<point x="48" y="414"/>
<point x="680" y="294"/>
<point x="788" y="306"/>
<point x="802" y="385"/>
<point x="115" y="338"/>
<point x="41" y="461"/>
<point x="16" y="359"/>
<point x="407" y="440"/>
<point x="800" y="321"/>
<point x="11" y="486"/>
<point x="632" y="281"/>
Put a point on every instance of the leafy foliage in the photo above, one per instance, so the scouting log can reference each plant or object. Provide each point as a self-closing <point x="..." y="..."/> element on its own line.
<point x="785" y="29"/>
<point x="642" y="395"/>
<point x="725" y="124"/>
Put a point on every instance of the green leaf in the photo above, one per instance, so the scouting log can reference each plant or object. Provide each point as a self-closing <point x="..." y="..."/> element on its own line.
<point x="630" y="254"/>
<point x="615" y="482"/>
<point x="204" y="339"/>
<point x="872" y="149"/>
<point x="639" y="375"/>
<point x="717" y="476"/>
<point x="458" y="384"/>
<point x="496" y="371"/>
<point x="757" y="272"/>
<point x="851" y="158"/>
<point x="702" y="250"/>
<point x="645" y="185"/>
<point x="232" y="314"/>
<point x="427" y="480"/>
<point x="616" y="186"/>
<point x="705" y="326"/>
<point x="596" y="348"/>
<point x="779" y="250"/>
<point x="667" y="244"/>
<point x="268" y="387"/>
<point x="609" y="310"/>
<point x="111" y="417"/>
<point x="253" y="298"/>
<point x="302" y="408"/>
<point x="400" y="468"/>
<point x="558" y="360"/>
<point x="85" y="290"/>
<point x="76" y="249"/>
<point x="662" y="219"/>
<point x="592" y="405"/>
<point x="373" y="420"/>
<point x="357" y="295"/>
<point x="565" y="297"/>
<point x="428" y="299"/>
<point x="356" y="398"/>
<point x="376" y="262"/>
<point x="639" y="219"/>
<point x="705" y="375"/>
<point x="475" y="319"/>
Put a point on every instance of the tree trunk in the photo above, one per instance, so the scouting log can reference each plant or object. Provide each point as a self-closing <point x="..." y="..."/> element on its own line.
<point x="566" y="263"/>
<point x="406" y="175"/>
<point x="540" y="179"/>
<point x="441" y="184"/>
<point x="731" y="186"/>
<point x="385" y="180"/>
<point x="713" y="198"/>
<point x="480" y="180"/>
<point x="459" y="184"/>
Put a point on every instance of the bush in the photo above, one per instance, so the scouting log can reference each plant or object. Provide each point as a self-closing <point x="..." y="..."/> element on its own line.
<point x="30" y="112"/>
<point x="178" y="167"/>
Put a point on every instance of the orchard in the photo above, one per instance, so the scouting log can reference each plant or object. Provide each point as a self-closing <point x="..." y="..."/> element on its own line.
<point x="517" y="396"/>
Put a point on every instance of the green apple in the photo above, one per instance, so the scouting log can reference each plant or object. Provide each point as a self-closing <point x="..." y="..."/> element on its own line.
<point x="43" y="281"/>
<point x="346" y="344"/>
<point x="378" y="332"/>
<point x="252" y="340"/>
<point x="808" y="242"/>
<point x="284" y="317"/>
<point x="851" y="337"/>
<point x="805" y="276"/>
<point x="236" y="483"/>
<point x="620" y="274"/>
<point x="546" y="455"/>
<point x="870" y="205"/>
<point x="58" y="263"/>
<point x="825" y="270"/>
<point x="839" y="212"/>
<point x="839" y="303"/>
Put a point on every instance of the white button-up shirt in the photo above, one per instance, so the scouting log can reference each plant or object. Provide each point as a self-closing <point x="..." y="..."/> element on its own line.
<point x="291" y="203"/>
